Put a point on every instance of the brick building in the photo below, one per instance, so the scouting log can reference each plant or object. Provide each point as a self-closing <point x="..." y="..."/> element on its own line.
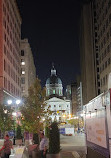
<point x="10" y="32"/>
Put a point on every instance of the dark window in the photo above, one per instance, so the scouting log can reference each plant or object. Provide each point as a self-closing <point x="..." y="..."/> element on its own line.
<point x="98" y="91"/>
<point x="106" y="64"/>
<point x="22" y="52"/>
<point x="97" y="69"/>
<point x="110" y="18"/>
<point x="22" y="80"/>
<point x="108" y="61"/>
<point x="96" y="55"/>
<point x="4" y="65"/>
<point x="98" y="84"/>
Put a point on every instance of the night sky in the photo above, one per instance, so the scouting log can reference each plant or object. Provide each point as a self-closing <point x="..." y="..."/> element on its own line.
<point x="52" y="28"/>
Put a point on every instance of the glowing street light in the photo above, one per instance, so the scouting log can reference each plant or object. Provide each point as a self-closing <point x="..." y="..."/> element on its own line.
<point x="70" y="115"/>
<point x="64" y="116"/>
<point x="18" y="102"/>
<point x="14" y="114"/>
<point x="5" y="111"/>
<point x="9" y="102"/>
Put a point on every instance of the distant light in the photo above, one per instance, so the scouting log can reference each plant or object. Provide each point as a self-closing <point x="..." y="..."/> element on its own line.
<point x="43" y="119"/>
<point x="9" y="102"/>
<point x="70" y="115"/>
<point x="76" y="117"/>
<point x="81" y="115"/>
<point x="14" y="113"/>
<point x="18" y="102"/>
<point x="23" y="63"/>
<point x="64" y="116"/>
<point x="5" y="111"/>
<point x="23" y="72"/>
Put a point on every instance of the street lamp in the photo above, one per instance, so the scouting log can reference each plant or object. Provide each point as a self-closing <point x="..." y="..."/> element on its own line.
<point x="9" y="102"/>
<point x="18" y="102"/>
<point x="14" y="118"/>
<point x="14" y="114"/>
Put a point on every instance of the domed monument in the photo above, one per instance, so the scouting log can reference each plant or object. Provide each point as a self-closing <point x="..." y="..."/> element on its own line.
<point x="54" y="84"/>
<point x="56" y="103"/>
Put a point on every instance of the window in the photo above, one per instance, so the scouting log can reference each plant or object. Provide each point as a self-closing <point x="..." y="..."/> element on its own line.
<point x="106" y="64"/>
<point x="54" y="91"/>
<point x="5" y="51"/>
<point x="108" y="61"/>
<point x="107" y="35"/>
<point x="9" y="85"/>
<point x="22" y="80"/>
<point x="97" y="69"/>
<point x="108" y="49"/>
<point x="104" y="81"/>
<point x="23" y="71"/>
<point x="22" y="62"/>
<point x="101" y="82"/>
<point x="110" y="18"/>
<point x="48" y="91"/>
<point x="22" y="52"/>
<point x="23" y="89"/>
<point x="106" y="78"/>
<point x="5" y="37"/>
<point x="106" y="23"/>
<point x="4" y="65"/>
<point x="110" y="31"/>
<point x="54" y="105"/>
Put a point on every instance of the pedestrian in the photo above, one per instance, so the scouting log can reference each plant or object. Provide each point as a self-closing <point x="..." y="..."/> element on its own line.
<point x="7" y="147"/>
<point x="43" y="145"/>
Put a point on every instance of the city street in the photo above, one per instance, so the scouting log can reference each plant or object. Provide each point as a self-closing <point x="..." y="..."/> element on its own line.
<point x="73" y="145"/>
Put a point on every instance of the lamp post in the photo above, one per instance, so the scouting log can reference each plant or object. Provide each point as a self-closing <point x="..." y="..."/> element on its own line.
<point x="14" y="114"/>
<point x="14" y="119"/>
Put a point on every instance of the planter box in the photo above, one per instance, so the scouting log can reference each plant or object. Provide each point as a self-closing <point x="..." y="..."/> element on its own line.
<point x="53" y="155"/>
<point x="18" y="141"/>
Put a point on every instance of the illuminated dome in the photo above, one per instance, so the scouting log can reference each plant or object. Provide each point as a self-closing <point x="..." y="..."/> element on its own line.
<point x="54" y="84"/>
<point x="53" y="80"/>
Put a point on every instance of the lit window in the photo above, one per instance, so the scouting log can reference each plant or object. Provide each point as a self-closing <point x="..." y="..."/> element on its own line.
<point x="23" y="63"/>
<point x="54" y="91"/>
<point x="23" y="72"/>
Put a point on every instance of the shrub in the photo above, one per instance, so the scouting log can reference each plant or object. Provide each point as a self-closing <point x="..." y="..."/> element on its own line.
<point x="54" y="139"/>
<point x="19" y="133"/>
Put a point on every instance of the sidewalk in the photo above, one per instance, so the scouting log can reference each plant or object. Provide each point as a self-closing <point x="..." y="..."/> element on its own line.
<point x="73" y="146"/>
<point x="73" y="154"/>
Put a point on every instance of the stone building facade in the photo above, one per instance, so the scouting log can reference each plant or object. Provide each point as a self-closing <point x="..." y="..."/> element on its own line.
<point x="28" y="70"/>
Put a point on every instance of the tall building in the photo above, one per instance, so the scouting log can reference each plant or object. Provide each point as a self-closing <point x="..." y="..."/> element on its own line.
<point x="73" y="93"/>
<point x="89" y="62"/>
<point x="10" y="36"/>
<point x="28" y="70"/>
<point x="95" y="45"/>
<point x="103" y="20"/>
